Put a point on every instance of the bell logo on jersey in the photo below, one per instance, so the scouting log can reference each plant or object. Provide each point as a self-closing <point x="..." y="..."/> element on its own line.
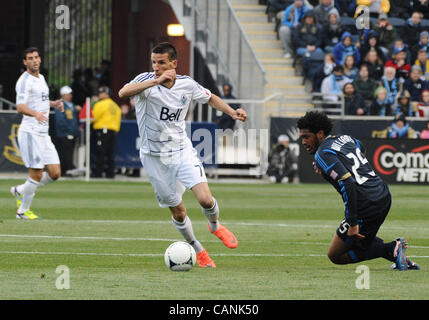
<point x="166" y="115"/>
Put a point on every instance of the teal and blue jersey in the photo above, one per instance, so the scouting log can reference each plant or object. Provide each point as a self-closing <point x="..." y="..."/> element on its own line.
<point x="342" y="161"/>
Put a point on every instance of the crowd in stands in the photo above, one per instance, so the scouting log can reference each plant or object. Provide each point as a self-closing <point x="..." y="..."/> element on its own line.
<point x="380" y="70"/>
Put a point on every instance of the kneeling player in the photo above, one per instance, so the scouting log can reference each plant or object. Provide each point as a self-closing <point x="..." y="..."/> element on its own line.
<point x="341" y="161"/>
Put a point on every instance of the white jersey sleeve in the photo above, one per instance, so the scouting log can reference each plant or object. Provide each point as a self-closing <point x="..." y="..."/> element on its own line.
<point x="200" y="93"/>
<point x="23" y="89"/>
<point x="141" y="78"/>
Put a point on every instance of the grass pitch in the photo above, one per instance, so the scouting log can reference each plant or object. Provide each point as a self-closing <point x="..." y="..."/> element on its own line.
<point x="112" y="237"/>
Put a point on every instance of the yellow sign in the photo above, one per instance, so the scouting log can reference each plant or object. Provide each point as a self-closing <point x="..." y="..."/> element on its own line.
<point x="12" y="152"/>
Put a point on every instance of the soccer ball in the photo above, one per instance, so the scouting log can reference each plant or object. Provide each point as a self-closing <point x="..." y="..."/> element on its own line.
<point x="180" y="256"/>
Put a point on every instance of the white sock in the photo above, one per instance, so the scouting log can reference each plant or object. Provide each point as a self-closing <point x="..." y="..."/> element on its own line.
<point x="46" y="179"/>
<point x="212" y="215"/>
<point x="28" y="191"/>
<point x="19" y="188"/>
<point x="185" y="229"/>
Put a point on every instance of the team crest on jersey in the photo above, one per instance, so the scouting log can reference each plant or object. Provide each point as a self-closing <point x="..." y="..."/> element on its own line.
<point x="184" y="100"/>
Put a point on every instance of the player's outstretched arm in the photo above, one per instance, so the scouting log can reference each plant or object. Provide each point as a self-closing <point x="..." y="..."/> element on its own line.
<point x="218" y="104"/>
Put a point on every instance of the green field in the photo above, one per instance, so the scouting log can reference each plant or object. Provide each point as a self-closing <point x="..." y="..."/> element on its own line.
<point x="112" y="236"/>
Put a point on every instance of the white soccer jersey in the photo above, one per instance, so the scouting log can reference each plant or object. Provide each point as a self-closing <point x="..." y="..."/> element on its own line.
<point x="161" y="113"/>
<point x="34" y="93"/>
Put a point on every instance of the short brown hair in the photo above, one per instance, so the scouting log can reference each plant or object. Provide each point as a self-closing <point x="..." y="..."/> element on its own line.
<point x="166" y="47"/>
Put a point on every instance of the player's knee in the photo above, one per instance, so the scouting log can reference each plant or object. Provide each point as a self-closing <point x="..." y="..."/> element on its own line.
<point x="179" y="215"/>
<point x="206" y="202"/>
<point x="55" y="175"/>
<point x="333" y="257"/>
<point x="36" y="175"/>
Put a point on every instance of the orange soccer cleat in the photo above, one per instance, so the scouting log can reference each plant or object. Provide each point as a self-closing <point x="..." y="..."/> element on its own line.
<point x="204" y="260"/>
<point x="227" y="237"/>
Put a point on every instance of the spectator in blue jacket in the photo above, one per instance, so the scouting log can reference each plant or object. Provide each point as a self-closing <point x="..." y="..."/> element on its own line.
<point x="67" y="129"/>
<point x="292" y="18"/>
<point x="345" y="48"/>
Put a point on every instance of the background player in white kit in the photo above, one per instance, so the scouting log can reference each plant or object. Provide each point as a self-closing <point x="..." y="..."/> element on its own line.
<point x="35" y="145"/>
<point x="162" y="101"/>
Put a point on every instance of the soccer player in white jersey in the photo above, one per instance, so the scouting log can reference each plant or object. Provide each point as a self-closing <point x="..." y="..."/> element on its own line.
<point x="162" y="101"/>
<point x="35" y="144"/>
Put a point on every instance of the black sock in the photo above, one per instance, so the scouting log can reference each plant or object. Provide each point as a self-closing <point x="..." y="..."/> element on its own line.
<point x="377" y="249"/>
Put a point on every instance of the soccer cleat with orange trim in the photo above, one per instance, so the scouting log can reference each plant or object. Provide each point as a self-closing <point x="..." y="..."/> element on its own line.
<point x="204" y="260"/>
<point x="227" y="237"/>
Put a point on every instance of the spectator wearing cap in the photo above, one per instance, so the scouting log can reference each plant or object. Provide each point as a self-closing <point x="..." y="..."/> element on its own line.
<point x="410" y="33"/>
<point x="386" y="33"/>
<point x="399" y="62"/>
<point x="398" y="45"/>
<point x="414" y="85"/>
<point x="344" y="48"/>
<point x="403" y="104"/>
<point x="331" y="31"/>
<point x="391" y="84"/>
<point x="283" y="162"/>
<point x="107" y="122"/>
<point x="293" y="16"/>
<point x="321" y="11"/>
<point x="67" y="130"/>
<point x="423" y="62"/>
<point x="400" y="129"/>
<point x="381" y="105"/>
<point x="306" y="37"/>
<point x="423" y="44"/>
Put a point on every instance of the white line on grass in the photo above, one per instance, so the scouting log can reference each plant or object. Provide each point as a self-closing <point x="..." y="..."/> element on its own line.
<point x="151" y="239"/>
<point x="160" y="254"/>
<point x="251" y="224"/>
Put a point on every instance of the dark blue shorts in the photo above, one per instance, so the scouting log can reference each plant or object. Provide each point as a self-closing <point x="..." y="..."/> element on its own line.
<point x="375" y="214"/>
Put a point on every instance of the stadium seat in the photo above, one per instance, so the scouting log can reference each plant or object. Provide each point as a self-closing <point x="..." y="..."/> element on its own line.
<point x="396" y="22"/>
<point x="373" y="20"/>
<point x="348" y="21"/>
<point x="425" y="23"/>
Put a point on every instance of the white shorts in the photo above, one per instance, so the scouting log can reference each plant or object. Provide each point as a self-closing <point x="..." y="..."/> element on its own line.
<point x="171" y="176"/>
<point x="37" y="151"/>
